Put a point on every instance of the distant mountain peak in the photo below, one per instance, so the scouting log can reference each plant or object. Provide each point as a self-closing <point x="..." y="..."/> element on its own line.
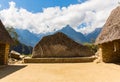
<point x="26" y="37"/>
<point x="67" y="27"/>
<point x="76" y="36"/>
<point x="93" y="35"/>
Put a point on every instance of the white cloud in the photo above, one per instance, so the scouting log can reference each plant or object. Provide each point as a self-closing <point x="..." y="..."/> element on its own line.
<point x="92" y="12"/>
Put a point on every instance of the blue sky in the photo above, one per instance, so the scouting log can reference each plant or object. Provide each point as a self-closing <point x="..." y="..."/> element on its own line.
<point x="37" y="15"/>
<point x="38" y="5"/>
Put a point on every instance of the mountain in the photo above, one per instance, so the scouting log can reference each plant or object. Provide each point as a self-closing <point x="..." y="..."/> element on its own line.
<point x="26" y="37"/>
<point x="31" y="39"/>
<point x="41" y="35"/>
<point x="93" y="35"/>
<point x="18" y="46"/>
<point x="76" y="36"/>
<point x="22" y="48"/>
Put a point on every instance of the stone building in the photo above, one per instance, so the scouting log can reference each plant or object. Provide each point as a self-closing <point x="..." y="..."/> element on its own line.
<point x="5" y="41"/>
<point x="109" y="38"/>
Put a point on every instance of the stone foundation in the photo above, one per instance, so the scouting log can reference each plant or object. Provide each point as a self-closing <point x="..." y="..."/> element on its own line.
<point x="60" y="60"/>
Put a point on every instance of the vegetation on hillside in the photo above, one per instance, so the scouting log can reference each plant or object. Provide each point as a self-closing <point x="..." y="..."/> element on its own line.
<point x="91" y="46"/>
<point x="18" y="46"/>
<point x="13" y="34"/>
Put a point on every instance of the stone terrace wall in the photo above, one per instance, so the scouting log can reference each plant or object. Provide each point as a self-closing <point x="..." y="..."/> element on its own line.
<point x="60" y="60"/>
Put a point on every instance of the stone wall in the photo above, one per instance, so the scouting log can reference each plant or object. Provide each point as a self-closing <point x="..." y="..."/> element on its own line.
<point x="4" y="50"/>
<point x="110" y="52"/>
<point x="60" y="60"/>
<point x="6" y="53"/>
<point x="2" y="53"/>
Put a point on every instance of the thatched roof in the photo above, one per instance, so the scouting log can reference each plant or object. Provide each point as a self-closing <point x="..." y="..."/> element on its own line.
<point x="111" y="29"/>
<point x="60" y="45"/>
<point x="4" y="35"/>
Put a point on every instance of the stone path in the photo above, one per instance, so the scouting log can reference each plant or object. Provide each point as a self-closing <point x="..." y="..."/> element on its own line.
<point x="67" y="72"/>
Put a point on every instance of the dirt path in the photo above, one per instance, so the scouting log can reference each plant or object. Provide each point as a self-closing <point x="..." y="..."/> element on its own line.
<point x="67" y="72"/>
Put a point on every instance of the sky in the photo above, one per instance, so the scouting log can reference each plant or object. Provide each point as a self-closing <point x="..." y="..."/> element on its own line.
<point x="42" y="16"/>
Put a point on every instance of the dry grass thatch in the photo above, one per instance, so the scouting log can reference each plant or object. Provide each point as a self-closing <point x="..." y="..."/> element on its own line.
<point x="111" y="29"/>
<point x="59" y="45"/>
<point x="4" y="35"/>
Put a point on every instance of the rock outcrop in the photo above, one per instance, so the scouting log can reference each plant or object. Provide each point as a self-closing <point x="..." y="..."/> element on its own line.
<point x="15" y="55"/>
<point x="59" y="45"/>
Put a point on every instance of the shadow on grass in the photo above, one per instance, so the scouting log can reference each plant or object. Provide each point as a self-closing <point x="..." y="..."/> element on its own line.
<point x="7" y="70"/>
